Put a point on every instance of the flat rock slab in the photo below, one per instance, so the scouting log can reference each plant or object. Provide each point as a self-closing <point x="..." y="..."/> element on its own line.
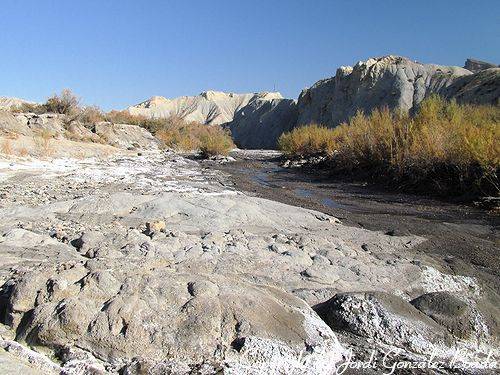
<point x="152" y="262"/>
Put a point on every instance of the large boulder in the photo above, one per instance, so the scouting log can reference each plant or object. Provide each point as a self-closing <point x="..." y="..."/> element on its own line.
<point x="126" y="136"/>
<point x="467" y="318"/>
<point x="262" y="121"/>
<point x="386" y="318"/>
<point x="447" y="310"/>
<point x="11" y="124"/>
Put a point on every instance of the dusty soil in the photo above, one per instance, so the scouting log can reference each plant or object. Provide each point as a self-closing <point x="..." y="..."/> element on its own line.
<point x="461" y="239"/>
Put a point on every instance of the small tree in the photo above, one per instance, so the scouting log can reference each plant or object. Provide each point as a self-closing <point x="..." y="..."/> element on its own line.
<point x="66" y="103"/>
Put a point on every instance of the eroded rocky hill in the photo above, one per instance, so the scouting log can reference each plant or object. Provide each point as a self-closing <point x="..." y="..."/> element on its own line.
<point x="393" y="81"/>
<point x="210" y="107"/>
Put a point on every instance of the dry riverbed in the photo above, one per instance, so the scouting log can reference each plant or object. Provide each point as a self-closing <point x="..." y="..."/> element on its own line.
<point x="155" y="263"/>
<point x="461" y="238"/>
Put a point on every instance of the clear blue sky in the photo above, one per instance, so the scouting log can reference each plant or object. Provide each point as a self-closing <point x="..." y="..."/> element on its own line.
<point x="118" y="53"/>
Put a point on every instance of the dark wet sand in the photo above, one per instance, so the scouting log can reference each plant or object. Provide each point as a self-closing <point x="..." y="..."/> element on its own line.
<point x="461" y="239"/>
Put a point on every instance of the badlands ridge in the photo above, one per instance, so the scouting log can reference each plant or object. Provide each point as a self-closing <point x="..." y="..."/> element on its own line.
<point x="257" y="120"/>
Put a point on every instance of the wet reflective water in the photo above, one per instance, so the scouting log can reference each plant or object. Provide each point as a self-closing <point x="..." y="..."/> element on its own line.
<point x="303" y="193"/>
<point x="306" y="193"/>
<point x="331" y="203"/>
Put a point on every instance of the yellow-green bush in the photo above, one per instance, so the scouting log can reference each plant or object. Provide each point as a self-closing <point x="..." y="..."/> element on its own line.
<point x="215" y="141"/>
<point x="307" y="141"/>
<point x="209" y="139"/>
<point x="446" y="145"/>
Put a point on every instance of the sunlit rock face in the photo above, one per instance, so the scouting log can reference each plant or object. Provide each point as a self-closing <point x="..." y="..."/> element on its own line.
<point x="392" y="81"/>
<point x="209" y="107"/>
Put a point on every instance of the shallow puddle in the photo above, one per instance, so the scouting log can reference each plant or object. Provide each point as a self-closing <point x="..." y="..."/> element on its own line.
<point x="303" y="193"/>
<point x="306" y="193"/>
<point x="331" y="203"/>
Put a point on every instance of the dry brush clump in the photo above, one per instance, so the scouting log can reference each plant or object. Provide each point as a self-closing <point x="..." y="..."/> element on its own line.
<point x="445" y="147"/>
<point x="124" y="117"/>
<point x="307" y="141"/>
<point x="210" y="140"/>
<point x="23" y="151"/>
<point x="215" y="141"/>
<point x="179" y="134"/>
<point x="6" y="147"/>
<point x="91" y="115"/>
<point x="66" y="103"/>
<point x="43" y="143"/>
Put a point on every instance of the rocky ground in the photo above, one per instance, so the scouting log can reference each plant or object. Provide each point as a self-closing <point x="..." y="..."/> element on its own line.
<point x="154" y="263"/>
<point x="460" y="238"/>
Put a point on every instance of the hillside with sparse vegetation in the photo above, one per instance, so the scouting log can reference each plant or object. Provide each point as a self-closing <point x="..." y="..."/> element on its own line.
<point x="173" y="132"/>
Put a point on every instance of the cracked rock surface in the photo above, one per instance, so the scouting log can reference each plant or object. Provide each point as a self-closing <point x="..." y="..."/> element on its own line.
<point x="153" y="264"/>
